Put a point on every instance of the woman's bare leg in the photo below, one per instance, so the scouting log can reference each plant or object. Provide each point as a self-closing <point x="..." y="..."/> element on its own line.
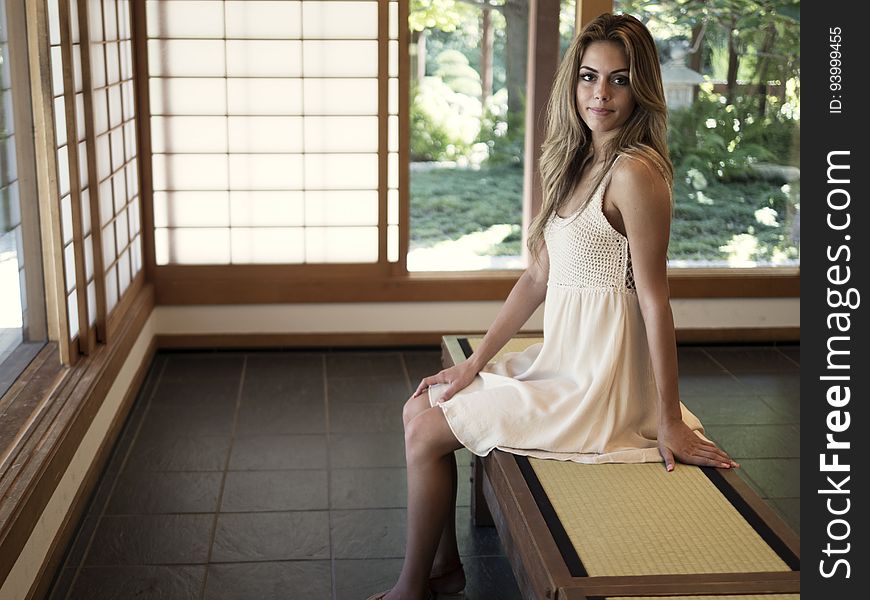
<point x="428" y="444"/>
<point x="447" y="575"/>
<point x="447" y="556"/>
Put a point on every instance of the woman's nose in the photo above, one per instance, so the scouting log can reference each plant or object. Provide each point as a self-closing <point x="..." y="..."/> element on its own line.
<point x="602" y="91"/>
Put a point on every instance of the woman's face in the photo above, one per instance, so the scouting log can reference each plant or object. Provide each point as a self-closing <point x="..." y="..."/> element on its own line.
<point x="604" y="98"/>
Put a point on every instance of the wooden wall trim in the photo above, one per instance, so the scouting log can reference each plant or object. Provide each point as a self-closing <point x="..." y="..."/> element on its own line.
<point x="64" y="537"/>
<point x="28" y="485"/>
<point x="276" y="284"/>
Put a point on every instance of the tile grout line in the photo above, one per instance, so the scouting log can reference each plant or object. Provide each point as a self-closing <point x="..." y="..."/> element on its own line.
<point x="410" y="388"/>
<point x="217" y="511"/>
<point x="332" y="585"/>
<point x="720" y="365"/>
<point x="149" y="397"/>
<point x="789" y="358"/>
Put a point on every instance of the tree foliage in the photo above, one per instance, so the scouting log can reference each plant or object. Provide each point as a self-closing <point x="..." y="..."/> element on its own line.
<point x="443" y="15"/>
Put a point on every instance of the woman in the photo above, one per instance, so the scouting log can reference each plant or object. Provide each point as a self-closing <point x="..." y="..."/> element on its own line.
<point x="603" y="386"/>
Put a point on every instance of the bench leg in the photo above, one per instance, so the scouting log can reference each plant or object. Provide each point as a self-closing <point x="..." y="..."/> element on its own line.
<point x="480" y="515"/>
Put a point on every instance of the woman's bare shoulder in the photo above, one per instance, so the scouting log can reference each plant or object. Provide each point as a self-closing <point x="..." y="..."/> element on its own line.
<point x="637" y="183"/>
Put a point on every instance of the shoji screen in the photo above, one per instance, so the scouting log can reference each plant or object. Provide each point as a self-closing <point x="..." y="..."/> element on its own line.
<point x="265" y="131"/>
<point x="90" y="58"/>
<point x="115" y="144"/>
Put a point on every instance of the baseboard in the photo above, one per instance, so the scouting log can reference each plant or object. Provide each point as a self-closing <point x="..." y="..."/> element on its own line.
<point x="427" y="338"/>
<point x="297" y="340"/>
<point x="739" y="335"/>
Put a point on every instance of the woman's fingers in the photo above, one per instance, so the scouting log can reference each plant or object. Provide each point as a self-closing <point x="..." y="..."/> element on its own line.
<point x="705" y="462"/>
<point x="725" y="458"/>
<point x="715" y="458"/>
<point x="428" y="382"/>
<point x="716" y="452"/>
<point x="712" y="456"/>
<point x="425" y="384"/>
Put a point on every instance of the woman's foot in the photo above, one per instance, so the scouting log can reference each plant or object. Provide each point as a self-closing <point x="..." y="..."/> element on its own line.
<point x="382" y="595"/>
<point x="450" y="580"/>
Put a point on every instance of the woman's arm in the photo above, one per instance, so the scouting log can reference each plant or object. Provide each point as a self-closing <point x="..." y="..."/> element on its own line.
<point x="525" y="297"/>
<point x="643" y="199"/>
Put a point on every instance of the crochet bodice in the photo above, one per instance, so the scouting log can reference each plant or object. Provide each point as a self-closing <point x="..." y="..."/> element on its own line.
<point x="586" y="251"/>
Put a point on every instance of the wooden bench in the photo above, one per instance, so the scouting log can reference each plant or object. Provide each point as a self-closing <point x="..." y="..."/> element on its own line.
<point x="596" y="532"/>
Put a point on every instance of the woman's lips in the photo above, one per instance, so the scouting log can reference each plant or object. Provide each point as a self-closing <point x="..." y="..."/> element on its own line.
<point x="599" y="111"/>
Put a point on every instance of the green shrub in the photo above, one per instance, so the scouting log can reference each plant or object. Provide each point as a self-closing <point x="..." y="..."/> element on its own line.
<point x="454" y="70"/>
<point x="502" y="132"/>
<point x="444" y="123"/>
<point x="429" y="140"/>
<point x="722" y="140"/>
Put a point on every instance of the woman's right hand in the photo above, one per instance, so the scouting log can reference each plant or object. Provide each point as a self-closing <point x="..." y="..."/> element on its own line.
<point x="457" y="378"/>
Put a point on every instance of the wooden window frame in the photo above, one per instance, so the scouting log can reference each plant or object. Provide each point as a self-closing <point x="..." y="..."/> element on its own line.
<point x="49" y="408"/>
<point x="22" y="116"/>
<point x="391" y="282"/>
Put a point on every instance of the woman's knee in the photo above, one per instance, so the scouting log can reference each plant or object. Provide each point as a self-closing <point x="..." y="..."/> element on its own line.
<point x="429" y="437"/>
<point x="414" y="406"/>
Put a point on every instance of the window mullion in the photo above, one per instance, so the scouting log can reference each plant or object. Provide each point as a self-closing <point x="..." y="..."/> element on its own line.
<point x="39" y="54"/>
<point x="34" y="322"/>
<point x="403" y="192"/>
<point x="85" y="340"/>
<point x="588" y="10"/>
<point x="383" y="150"/>
<point x="94" y="193"/>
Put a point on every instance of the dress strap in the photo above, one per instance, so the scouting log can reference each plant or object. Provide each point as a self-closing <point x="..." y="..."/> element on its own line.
<point x="609" y="173"/>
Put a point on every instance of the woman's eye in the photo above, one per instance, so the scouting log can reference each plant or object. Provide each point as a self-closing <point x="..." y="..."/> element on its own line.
<point x="587" y="76"/>
<point x="620" y="80"/>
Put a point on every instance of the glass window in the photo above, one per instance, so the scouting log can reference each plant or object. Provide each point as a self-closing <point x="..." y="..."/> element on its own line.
<point x="22" y="317"/>
<point x="732" y="81"/>
<point x="467" y="114"/>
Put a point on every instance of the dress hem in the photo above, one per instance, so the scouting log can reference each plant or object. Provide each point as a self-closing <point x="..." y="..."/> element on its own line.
<point x="629" y="455"/>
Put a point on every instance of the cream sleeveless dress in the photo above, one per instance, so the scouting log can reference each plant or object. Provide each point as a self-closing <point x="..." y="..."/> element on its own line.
<point x="587" y="393"/>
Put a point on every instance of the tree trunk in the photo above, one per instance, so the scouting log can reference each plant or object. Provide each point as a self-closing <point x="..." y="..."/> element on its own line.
<point x="486" y="39"/>
<point x="516" y="15"/>
<point x="696" y="56"/>
<point x="421" y="56"/>
<point x="764" y="67"/>
<point x="733" y="61"/>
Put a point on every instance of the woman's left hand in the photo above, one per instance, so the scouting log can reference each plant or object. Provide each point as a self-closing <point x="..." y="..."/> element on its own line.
<point x="677" y="440"/>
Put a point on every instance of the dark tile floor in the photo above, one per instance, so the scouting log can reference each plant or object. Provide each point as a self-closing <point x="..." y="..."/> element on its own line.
<point x="226" y="453"/>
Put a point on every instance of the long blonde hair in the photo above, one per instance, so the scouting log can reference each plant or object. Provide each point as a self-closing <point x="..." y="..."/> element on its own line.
<point x="568" y="148"/>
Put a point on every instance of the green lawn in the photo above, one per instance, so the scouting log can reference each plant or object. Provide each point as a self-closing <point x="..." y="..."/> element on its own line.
<point x="450" y="203"/>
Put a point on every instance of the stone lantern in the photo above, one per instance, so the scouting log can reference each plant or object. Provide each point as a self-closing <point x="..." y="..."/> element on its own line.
<point x="678" y="79"/>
